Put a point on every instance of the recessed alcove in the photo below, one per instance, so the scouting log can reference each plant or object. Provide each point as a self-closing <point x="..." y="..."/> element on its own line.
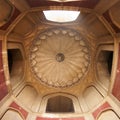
<point x="59" y="104"/>
<point x="104" y="67"/>
<point x="16" y="66"/>
<point x="109" y="61"/>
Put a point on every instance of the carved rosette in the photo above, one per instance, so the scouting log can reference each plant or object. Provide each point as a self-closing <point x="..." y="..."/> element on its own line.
<point x="59" y="57"/>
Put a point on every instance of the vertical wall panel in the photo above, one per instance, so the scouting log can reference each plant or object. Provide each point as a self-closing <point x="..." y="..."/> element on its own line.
<point x="116" y="87"/>
<point x="3" y="87"/>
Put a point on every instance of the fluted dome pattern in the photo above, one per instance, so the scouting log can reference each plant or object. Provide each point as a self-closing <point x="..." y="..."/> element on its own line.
<point x="59" y="57"/>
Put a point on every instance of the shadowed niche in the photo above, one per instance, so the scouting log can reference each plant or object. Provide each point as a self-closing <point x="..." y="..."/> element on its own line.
<point x="59" y="104"/>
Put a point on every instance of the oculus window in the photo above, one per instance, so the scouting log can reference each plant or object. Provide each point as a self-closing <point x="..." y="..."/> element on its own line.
<point x="61" y="15"/>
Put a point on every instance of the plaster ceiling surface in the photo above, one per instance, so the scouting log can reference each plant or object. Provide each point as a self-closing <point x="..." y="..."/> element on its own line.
<point x="59" y="57"/>
<point x="99" y="21"/>
<point x="33" y="15"/>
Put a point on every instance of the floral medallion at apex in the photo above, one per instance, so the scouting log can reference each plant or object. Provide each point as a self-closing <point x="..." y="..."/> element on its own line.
<point x="59" y="57"/>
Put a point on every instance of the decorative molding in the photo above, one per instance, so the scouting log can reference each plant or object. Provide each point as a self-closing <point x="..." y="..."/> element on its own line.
<point x="59" y="57"/>
<point x="116" y="86"/>
<point x="15" y="106"/>
<point x="103" y="107"/>
<point x="3" y="86"/>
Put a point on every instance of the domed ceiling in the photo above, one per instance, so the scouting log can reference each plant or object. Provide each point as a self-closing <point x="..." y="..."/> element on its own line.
<point x="58" y="54"/>
<point x="59" y="57"/>
<point x="78" y="60"/>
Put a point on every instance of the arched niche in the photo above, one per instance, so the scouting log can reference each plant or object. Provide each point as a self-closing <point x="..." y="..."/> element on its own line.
<point x="12" y="115"/>
<point x="69" y="101"/>
<point x="16" y="63"/>
<point x="104" y="65"/>
<point x="59" y="104"/>
<point x="108" y="115"/>
<point x="92" y="97"/>
<point x="28" y="96"/>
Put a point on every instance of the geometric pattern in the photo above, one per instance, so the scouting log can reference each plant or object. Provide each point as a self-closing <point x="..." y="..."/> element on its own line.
<point x="59" y="57"/>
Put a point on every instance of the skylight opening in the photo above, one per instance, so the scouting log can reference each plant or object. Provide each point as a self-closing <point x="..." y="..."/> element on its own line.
<point x="61" y="15"/>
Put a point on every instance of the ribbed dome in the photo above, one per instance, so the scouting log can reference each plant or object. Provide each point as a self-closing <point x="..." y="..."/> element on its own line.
<point x="59" y="57"/>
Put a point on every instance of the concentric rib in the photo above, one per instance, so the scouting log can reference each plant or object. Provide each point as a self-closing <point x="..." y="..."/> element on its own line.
<point x="60" y="59"/>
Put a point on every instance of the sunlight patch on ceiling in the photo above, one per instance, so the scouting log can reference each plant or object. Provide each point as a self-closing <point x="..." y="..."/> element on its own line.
<point x="61" y="15"/>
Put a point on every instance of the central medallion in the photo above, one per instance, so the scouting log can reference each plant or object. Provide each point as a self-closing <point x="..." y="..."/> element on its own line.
<point x="59" y="57"/>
